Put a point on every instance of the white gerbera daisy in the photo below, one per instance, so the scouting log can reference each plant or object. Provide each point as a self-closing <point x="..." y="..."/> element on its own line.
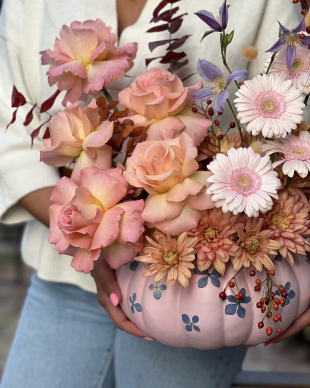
<point x="299" y="72"/>
<point x="243" y="181"/>
<point x="269" y="105"/>
<point x="296" y="153"/>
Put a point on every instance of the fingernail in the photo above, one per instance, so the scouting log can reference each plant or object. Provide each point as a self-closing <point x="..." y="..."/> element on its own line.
<point x="252" y="346"/>
<point x="114" y="299"/>
<point x="269" y="345"/>
<point x="149" y="339"/>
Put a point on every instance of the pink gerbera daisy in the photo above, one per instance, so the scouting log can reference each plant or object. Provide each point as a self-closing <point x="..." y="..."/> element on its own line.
<point x="296" y="151"/>
<point x="243" y="181"/>
<point x="269" y="105"/>
<point x="299" y="72"/>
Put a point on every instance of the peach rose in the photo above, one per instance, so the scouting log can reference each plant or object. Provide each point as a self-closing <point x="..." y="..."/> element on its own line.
<point x="167" y="170"/>
<point x="87" y="219"/>
<point x="159" y="101"/>
<point x="76" y="134"/>
<point x="85" y="59"/>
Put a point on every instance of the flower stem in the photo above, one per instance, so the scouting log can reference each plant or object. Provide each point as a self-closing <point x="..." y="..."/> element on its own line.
<point x="271" y="62"/>
<point x="223" y="52"/>
<point x="237" y="121"/>
<point x="107" y="96"/>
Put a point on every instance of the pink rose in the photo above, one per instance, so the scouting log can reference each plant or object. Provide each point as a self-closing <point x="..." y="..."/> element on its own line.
<point x="158" y="100"/>
<point x="87" y="219"/>
<point x="167" y="170"/>
<point x="85" y="59"/>
<point x="76" y="133"/>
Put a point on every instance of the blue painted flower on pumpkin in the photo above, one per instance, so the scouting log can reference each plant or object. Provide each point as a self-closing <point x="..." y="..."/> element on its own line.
<point x="290" y="39"/>
<point x="290" y="293"/>
<point x="190" y="324"/>
<point x="217" y="24"/>
<point x="235" y="305"/>
<point x="157" y="288"/>
<point x="134" y="305"/>
<point x="214" y="276"/>
<point x="278" y="258"/>
<point x="216" y="83"/>
<point x="133" y="265"/>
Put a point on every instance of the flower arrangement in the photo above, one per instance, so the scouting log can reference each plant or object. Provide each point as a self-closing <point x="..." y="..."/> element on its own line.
<point x="188" y="195"/>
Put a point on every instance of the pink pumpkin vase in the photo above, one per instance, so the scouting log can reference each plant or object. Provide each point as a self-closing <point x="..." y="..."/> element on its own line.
<point x="196" y="317"/>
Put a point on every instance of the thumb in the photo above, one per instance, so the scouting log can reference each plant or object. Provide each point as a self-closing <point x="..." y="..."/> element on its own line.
<point x="106" y="282"/>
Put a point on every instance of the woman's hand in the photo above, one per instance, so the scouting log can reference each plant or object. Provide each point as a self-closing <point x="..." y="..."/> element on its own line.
<point x="296" y="327"/>
<point x="109" y="296"/>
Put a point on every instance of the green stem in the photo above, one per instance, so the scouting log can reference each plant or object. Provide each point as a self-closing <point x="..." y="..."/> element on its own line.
<point x="271" y="62"/>
<point x="237" y="121"/>
<point x="107" y="95"/>
<point x="223" y="52"/>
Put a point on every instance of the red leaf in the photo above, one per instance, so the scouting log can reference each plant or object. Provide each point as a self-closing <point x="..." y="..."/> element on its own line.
<point x="172" y="57"/>
<point x="47" y="104"/>
<point x="13" y="119"/>
<point x="153" y="45"/>
<point x="177" y="65"/>
<point x="149" y="60"/>
<point x="184" y="79"/>
<point x="178" y="43"/>
<point x="162" y="27"/>
<point x="29" y="116"/>
<point x="47" y="134"/>
<point x="37" y="131"/>
<point x="166" y="16"/>
<point x="175" y="25"/>
<point x="17" y="98"/>
<point x="160" y="6"/>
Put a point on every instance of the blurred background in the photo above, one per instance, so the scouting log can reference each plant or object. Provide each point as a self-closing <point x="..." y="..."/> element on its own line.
<point x="292" y="355"/>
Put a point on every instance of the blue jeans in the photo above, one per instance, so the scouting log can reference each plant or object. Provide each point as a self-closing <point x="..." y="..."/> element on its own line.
<point x="66" y="340"/>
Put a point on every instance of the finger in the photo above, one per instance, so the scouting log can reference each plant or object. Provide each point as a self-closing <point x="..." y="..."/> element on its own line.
<point x="119" y="318"/>
<point x="296" y="327"/>
<point x="106" y="282"/>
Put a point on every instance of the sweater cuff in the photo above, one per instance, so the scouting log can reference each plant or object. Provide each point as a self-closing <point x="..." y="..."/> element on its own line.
<point x="21" y="175"/>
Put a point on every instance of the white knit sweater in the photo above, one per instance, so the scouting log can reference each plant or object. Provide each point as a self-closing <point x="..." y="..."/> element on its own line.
<point x="29" y="26"/>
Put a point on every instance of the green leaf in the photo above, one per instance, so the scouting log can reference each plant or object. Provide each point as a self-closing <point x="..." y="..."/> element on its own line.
<point x="229" y="38"/>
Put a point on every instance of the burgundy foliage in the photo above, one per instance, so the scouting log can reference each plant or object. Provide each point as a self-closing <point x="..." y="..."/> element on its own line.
<point x="47" y="104"/>
<point x="29" y="116"/>
<point x="172" y="25"/>
<point x="18" y="99"/>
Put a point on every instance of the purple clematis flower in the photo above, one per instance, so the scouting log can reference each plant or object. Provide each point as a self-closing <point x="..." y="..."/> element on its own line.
<point x="217" y="83"/>
<point x="211" y="21"/>
<point x="290" y="39"/>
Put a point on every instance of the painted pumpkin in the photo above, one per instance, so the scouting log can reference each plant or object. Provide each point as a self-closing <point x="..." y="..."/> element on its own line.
<point x="197" y="317"/>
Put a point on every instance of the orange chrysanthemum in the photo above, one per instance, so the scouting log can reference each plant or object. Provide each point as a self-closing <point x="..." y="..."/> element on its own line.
<point x="256" y="246"/>
<point x="289" y="220"/>
<point x="171" y="255"/>
<point x="208" y="149"/>
<point x="214" y="234"/>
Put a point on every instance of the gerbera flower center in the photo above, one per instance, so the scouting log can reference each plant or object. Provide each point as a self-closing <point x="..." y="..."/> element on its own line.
<point x="171" y="257"/>
<point x="300" y="151"/>
<point x="270" y="104"/>
<point x="281" y="220"/>
<point x="211" y="234"/>
<point x="251" y="245"/>
<point x="218" y="84"/>
<point x="300" y="66"/>
<point x="244" y="181"/>
<point x="292" y="39"/>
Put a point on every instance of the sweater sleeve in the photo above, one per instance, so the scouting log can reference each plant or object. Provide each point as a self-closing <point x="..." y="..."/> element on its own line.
<point x="21" y="171"/>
